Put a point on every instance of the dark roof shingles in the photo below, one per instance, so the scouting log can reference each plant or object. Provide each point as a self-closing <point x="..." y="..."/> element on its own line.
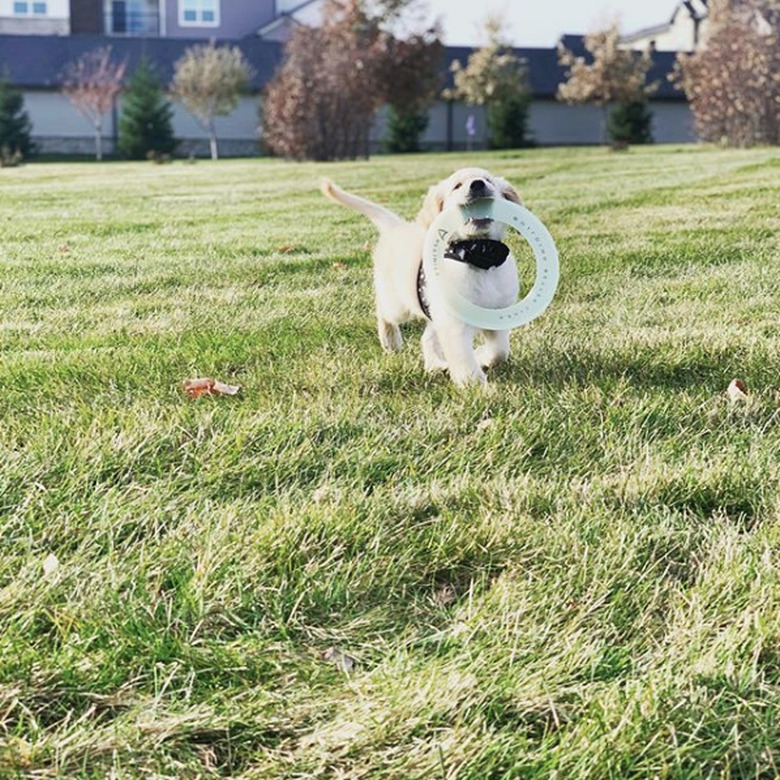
<point x="39" y="61"/>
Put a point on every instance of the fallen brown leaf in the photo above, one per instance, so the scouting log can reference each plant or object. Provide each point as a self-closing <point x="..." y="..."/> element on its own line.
<point x="445" y="596"/>
<point x="339" y="265"/>
<point x="346" y="663"/>
<point x="50" y="565"/>
<point x="737" y="391"/>
<point x="285" y="249"/>
<point x="207" y="386"/>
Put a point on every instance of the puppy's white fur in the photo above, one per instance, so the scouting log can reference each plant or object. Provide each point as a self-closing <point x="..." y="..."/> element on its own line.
<point x="447" y="343"/>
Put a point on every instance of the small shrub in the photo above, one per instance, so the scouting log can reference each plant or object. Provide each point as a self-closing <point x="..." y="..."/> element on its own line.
<point x="508" y="122"/>
<point x="10" y="158"/>
<point x="404" y="131"/>
<point x="15" y="126"/>
<point x="631" y="123"/>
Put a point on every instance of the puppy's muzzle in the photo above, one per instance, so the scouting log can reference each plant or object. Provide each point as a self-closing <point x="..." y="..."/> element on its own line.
<point x="479" y="190"/>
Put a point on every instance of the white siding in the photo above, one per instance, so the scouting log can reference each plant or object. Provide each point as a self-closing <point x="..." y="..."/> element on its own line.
<point x="240" y="125"/>
<point x="550" y="123"/>
<point x="673" y="122"/>
<point x="557" y="124"/>
<point x="52" y="114"/>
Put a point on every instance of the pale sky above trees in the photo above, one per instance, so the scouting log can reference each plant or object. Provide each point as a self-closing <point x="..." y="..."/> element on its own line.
<point x="541" y="22"/>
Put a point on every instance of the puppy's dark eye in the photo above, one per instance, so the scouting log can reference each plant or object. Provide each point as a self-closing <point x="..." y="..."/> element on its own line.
<point x="458" y="185"/>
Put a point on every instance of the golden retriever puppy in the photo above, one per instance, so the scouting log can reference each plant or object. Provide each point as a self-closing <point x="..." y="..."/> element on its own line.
<point x="477" y="263"/>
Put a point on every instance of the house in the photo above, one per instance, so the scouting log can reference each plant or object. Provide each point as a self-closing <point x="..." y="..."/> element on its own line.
<point x="161" y="30"/>
<point x="290" y="13"/>
<point x="34" y="17"/>
<point x="552" y="123"/>
<point x="192" y="19"/>
<point x="685" y="31"/>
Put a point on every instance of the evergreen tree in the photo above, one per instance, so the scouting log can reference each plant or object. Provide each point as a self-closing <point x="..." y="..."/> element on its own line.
<point x="15" y="125"/>
<point x="145" y="125"/>
<point x="404" y="130"/>
<point x="508" y="122"/>
<point x="631" y="123"/>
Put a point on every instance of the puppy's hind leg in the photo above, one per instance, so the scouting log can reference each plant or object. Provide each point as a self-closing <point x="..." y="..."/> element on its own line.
<point x="389" y="335"/>
<point x="387" y="313"/>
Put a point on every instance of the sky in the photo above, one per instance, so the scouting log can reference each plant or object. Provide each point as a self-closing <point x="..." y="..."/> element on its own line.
<point x="542" y="22"/>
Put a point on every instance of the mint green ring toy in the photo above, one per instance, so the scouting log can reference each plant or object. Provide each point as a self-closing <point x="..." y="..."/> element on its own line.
<point x="530" y="228"/>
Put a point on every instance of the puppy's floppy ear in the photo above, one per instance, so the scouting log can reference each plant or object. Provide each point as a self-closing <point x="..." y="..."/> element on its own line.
<point x="431" y="207"/>
<point x="509" y="192"/>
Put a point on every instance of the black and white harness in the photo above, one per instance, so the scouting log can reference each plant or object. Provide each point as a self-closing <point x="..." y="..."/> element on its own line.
<point x="482" y="253"/>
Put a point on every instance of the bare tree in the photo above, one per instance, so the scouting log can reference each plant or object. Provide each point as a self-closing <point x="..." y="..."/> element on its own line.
<point x="322" y="101"/>
<point x="411" y="77"/>
<point x="208" y="81"/>
<point x="609" y="75"/>
<point x="733" y="83"/>
<point x="92" y="83"/>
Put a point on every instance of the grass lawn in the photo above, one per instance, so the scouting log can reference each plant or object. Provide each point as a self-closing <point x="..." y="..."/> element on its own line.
<point x="575" y="574"/>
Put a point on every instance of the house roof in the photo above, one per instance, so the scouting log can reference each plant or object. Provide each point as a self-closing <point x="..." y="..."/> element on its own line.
<point x="546" y="74"/>
<point x="645" y="32"/>
<point x="695" y="12"/>
<point x="286" y="18"/>
<point x="37" y="62"/>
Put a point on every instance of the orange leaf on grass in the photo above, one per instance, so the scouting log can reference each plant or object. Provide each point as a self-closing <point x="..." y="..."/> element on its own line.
<point x="737" y="391"/>
<point x="195" y="388"/>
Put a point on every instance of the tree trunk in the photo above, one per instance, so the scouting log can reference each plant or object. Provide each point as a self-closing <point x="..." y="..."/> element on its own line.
<point x="98" y="141"/>
<point x="604" y="122"/>
<point x="213" y="141"/>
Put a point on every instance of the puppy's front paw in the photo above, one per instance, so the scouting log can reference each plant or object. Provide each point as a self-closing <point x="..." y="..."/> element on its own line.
<point x="471" y="379"/>
<point x="434" y="364"/>
<point x="390" y="336"/>
<point x="489" y="355"/>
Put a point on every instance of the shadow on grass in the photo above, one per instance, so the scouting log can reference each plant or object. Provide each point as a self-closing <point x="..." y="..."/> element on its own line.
<point x="583" y="367"/>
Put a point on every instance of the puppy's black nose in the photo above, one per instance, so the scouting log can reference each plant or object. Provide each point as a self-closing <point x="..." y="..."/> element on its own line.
<point x="477" y="186"/>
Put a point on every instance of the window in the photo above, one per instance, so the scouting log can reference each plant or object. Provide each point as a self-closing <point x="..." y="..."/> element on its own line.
<point x="132" y="17"/>
<point x="199" y="13"/>
<point x="25" y="8"/>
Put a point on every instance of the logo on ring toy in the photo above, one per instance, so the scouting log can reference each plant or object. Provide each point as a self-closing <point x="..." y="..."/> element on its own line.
<point x="530" y="228"/>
